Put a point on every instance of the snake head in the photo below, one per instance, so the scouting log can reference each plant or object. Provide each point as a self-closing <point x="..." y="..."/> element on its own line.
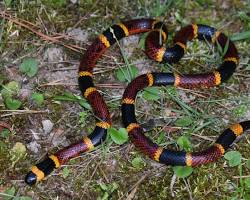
<point x="30" y="178"/>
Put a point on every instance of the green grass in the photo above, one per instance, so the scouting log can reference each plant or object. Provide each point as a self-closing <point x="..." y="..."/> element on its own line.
<point x="188" y="119"/>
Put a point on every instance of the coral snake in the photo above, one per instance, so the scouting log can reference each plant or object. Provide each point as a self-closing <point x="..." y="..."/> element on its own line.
<point x="159" y="53"/>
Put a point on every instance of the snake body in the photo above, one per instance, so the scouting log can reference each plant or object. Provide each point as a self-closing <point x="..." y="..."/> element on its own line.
<point x="159" y="53"/>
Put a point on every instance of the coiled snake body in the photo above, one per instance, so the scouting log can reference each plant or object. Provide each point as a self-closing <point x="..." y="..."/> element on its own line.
<point x="161" y="54"/>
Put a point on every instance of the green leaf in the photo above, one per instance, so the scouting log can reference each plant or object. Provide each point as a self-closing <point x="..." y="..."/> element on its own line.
<point x="240" y="36"/>
<point x="151" y="93"/>
<point x="29" y="66"/>
<point x="67" y="96"/>
<point x="178" y="17"/>
<point x="233" y="157"/>
<point x="138" y="163"/>
<point x="247" y="182"/>
<point x="5" y="133"/>
<point x="82" y="118"/>
<point x="182" y="171"/>
<point x="58" y="3"/>
<point x="83" y="103"/>
<point x="118" y="136"/>
<point x="240" y="110"/>
<point x="248" y="163"/>
<point x="127" y="74"/>
<point x="12" y="104"/>
<point x="10" y="89"/>
<point x="103" y="186"/>
<point x="161" y="137"/>
<point x="184" y="121"/>
<point x="10" y="193"/>
<point x="65" y="172"/>
<point x="142" y="41"/>
<point x="7" y="3"/>
<point x="38" y="98"/>
<point x="184" y="143"/>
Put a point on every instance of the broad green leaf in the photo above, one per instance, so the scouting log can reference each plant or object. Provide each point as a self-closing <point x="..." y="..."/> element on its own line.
<point x="182" y="171"/>
<point x="247" y="182"/>
<point x="29" y="66"/>
<point x="118" y="136"/>
<point x="138" y="163"/>
<point x="5" y="133"/>
<point x="10" y="89"/>
<point x="233" y="157"/>
<point x="184" y="143"/>
<point x="84" y="104"/>
<point x="12" y="104"/>
<point x="65" y="172"/>
<point x="151" y="93"/>
<point x="103" y="186"/>
<point x="183" y="122"/>
<point x="38" y="98"/>
<point x="127" y="74"/>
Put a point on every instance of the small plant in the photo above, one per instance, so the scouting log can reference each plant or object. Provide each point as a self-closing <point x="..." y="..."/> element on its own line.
<point x="182" y="171"/>
<point x="9" y="194"/>
<point x="233" y="158"/>
<point x="138" y="163"/>
<point x="152" y="93"/>
<point x="118" y="136"/>
<point x="184" y="143"/>
<point x="37" y="98"/>
<point x="65" y="172"/>
<point x="29" y="66"/>
<point x="82" y="119"/>
<point x="127" y="74"/>
<point x="184" y="121"/>
<point x="17" y="152"/>
<point x="67" y="96"/>
<point x="107" y="190"/>
<point x="5" y="133"/>
<point x="240" y="110"/>
<point x="9" y="92"/>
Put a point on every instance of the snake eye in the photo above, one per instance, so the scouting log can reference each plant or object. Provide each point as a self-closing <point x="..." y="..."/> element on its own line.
<point x="30" y="178"/>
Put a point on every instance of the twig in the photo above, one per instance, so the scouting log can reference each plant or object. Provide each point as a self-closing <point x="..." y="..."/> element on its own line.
<point x="26" y="24"/>
<point x="21" y="112"/>
<point x="103" y="85"/>
<point x="238" y="177"/>
<point x="188" y="189"/>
